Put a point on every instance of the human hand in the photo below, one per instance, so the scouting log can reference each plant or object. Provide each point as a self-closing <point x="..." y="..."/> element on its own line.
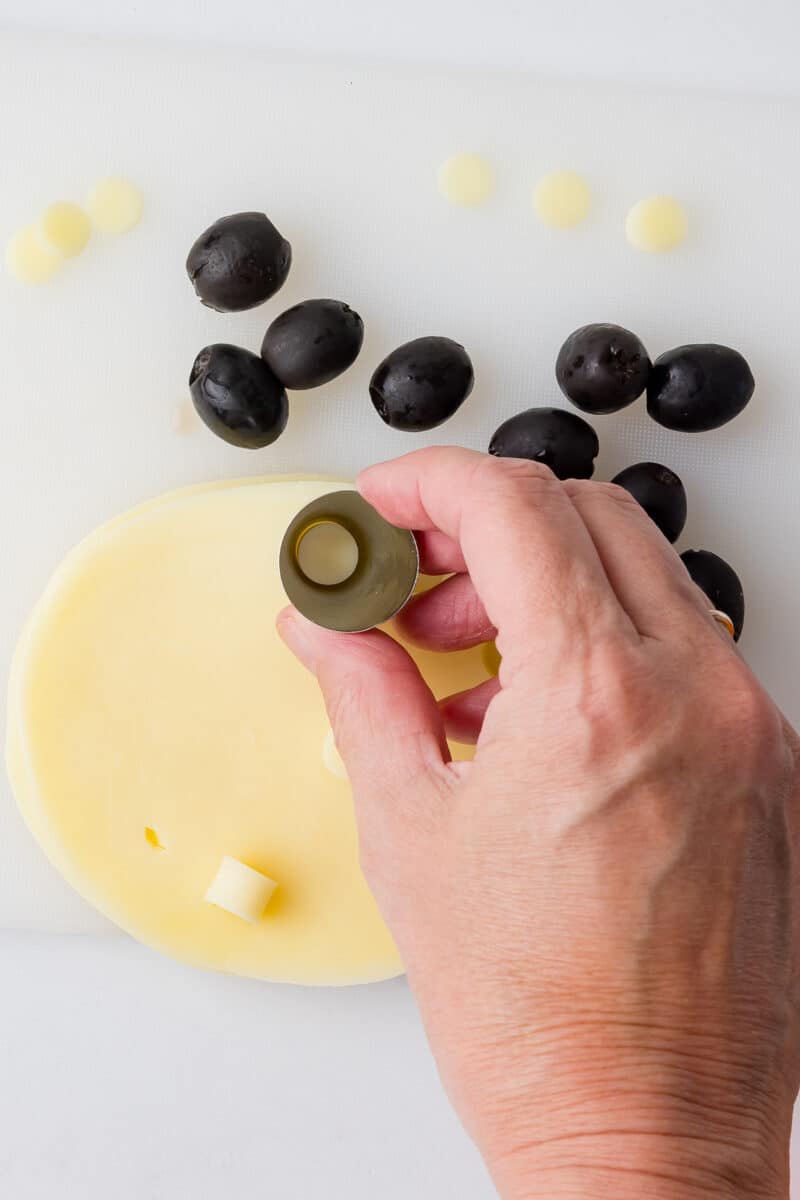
<point x="599" y="916"/>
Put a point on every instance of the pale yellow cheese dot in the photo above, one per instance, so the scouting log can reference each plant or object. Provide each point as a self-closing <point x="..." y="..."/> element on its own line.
<point x="466" y="180"/>
<point x="65" y="227"/>
<point x="241" y="890"/>
<point x="28" y="259"/>
<point x="657" y="224"/>
<point x="562" y="199"/>
<point x="331" y="756"/>
<point x="115" y="205"/>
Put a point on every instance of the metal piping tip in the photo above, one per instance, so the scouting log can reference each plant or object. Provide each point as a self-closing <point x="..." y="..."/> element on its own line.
<point x="384" y="576"/>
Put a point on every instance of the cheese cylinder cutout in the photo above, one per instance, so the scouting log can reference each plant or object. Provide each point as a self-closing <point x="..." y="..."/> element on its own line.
<point x="241" y="890"/>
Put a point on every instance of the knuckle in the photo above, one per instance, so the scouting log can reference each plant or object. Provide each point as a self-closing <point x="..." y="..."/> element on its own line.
<point x="747" y="721"/>
<point x="579" y="489"/>
<point x="614" y="696"/>
<point x="619" y="496"/>
<point x="591" y="492"/>
<point x="515" y="476"/>
<point x="522" y="469"/>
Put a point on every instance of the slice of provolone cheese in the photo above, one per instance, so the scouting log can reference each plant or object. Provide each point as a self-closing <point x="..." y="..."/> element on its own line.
<point x="158" y="726"/>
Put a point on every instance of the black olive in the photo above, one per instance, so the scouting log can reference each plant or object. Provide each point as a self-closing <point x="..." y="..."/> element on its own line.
<point x="312" y="343"/>
<point x="660" y="493"/>
<point x="695" y="388"/>
<point x="602" y="368"/>
<point x="238" y="397"/>
<point x="719" y="582"/>
<point x="239" y="262"/>
<point x="422" y="383"/>
<point x="561" y="440"/>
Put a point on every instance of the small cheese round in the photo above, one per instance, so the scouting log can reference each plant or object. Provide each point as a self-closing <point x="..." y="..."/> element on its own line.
<point x="241" y="890"/>
<point x="115" y="205"/>
<point x="657" y="224"/>
<point x="65" y="227"/>
<point x="562" y="199"/>
<point x="466" y="180"/>
<point x="332" y="758"/>
<point x="28" y="259"/>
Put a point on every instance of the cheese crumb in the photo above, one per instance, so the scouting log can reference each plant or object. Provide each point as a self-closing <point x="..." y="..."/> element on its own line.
<point x="332" y="758"/>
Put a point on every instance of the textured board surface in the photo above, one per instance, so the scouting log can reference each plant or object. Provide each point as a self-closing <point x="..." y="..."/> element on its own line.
<point x="344" y="161"/>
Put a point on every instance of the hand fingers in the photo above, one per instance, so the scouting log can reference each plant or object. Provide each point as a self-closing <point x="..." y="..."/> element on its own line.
<point x="464" y="712"/>
<point x="530" y="556"/>
<point x="643" y="569"/>
<point x="438" y="553"/>
<point x="448" y="617"/>
<point x="385" y="720"/>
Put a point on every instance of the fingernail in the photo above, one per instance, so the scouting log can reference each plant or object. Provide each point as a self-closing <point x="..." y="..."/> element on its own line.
<point x="291" y="629"/>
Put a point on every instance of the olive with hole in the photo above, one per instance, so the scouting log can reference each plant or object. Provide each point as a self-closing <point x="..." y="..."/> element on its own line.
<point x="239" y="262"/>
<point x="660" y="493"/>
<point x="561" y="440"/>
<point x="422" y="383"/>
<point x="720" y="583"/>
<point x="312" y="343"/>
<point x="697" y="388"/>
<point x="602" y="368"/>
<point x="238" y="397"/>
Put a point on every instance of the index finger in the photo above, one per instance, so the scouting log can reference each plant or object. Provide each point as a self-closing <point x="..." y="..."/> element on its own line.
<point x="530" y="556"/>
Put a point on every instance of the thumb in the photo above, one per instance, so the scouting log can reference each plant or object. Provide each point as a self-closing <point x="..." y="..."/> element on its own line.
<point x="385" y="720"/>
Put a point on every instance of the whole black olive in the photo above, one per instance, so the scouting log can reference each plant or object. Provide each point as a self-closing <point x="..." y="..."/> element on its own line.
<point x="602" y="368"/>
<point x="239" y="262"/>
<point x="720" y="583"/>
<point x="695" y="388"/>
<point x="312" y="343"/>
<point x="660" y="493"/>
<point x="238" y="397"/>
<point x="422" y="383"/>
<point x="561" y="440"/>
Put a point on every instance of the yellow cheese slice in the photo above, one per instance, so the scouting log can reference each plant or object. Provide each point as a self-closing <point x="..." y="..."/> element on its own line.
<point x="157" y="726"/>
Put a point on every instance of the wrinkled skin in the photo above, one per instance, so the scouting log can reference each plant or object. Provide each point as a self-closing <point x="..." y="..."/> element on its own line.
<point x="599" y="916"/>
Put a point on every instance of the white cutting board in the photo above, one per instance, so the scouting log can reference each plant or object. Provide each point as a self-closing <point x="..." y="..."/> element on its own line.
<point x="344" y="161"/>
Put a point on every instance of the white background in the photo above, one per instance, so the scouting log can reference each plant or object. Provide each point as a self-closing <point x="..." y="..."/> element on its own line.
<point x="729" y="43"/>
<point x="123" y="1074"/>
